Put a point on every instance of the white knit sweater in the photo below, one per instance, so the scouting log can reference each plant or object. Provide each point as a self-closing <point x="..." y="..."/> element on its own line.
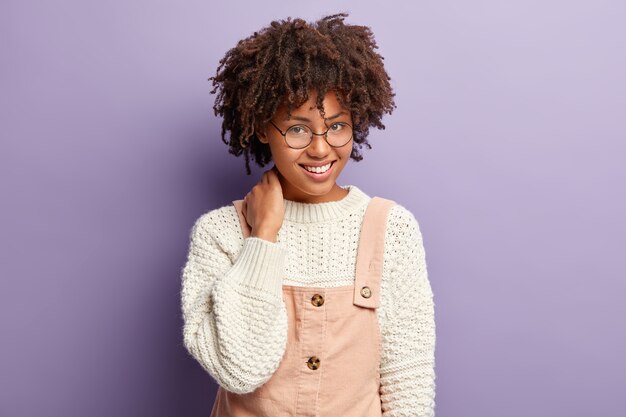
<point x="235" y="321"/>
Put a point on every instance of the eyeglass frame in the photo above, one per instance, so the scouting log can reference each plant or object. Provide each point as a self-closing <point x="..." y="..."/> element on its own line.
<point x="325" y="134"/>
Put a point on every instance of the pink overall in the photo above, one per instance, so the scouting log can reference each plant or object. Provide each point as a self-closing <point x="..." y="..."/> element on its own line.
<point x="331" y="366"/>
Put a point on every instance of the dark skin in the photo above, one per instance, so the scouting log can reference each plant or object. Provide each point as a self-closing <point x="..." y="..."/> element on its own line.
<point x="282" y="63"/>
<point x="263" y="205"/>
<point x="292" y="63"/>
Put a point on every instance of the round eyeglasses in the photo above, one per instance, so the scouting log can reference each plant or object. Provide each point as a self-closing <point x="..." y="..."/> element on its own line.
<point x="337" y="135"/>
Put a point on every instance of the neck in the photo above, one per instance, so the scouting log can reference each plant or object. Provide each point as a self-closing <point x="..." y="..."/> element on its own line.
<point x="353" y="199"/>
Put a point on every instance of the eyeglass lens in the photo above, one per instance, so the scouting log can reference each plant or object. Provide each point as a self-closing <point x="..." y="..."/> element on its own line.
<point x="299" y="136"/>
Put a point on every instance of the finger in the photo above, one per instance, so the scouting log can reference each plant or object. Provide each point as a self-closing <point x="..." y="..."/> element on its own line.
<point x="266" y="176"/>
<point x="272" y="174"/>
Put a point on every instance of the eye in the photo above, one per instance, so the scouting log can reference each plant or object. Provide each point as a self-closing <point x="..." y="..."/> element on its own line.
<point x="297" y="130"/>
<point x="336" y="126"/>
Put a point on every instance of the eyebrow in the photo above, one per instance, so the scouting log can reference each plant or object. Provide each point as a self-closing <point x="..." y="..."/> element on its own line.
<point x="304" y="119"/>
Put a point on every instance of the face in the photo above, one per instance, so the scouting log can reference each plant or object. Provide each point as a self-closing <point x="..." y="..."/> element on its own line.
<point x="297" y="183"/>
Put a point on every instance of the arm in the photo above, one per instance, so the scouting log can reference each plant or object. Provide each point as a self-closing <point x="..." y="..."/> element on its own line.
<point x="235" y="321"/>
<point x="407" y="322"/>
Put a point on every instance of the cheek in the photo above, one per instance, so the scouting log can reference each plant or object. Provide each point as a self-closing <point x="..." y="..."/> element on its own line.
<point x="346" y="151"/>
<point x="284" y="156"/>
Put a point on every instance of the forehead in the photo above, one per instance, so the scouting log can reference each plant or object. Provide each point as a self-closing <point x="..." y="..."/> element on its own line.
<point x="330" y="104"/>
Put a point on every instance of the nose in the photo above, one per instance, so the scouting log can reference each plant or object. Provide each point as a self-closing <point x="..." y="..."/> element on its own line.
<point x="318" y="146"/>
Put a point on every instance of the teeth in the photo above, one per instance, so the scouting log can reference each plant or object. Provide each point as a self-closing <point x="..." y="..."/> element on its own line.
<point x="318" y="170"/>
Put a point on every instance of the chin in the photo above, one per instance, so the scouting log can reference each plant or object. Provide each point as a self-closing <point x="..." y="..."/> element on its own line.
<point x="304" y="186"/>
<point x="316" y="189"/>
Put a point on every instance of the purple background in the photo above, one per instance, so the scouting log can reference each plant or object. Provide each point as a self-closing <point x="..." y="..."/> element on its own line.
<point x="508" y="145"/>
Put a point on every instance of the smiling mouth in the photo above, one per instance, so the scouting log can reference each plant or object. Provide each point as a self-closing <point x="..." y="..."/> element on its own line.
<point x="313" y="172"/>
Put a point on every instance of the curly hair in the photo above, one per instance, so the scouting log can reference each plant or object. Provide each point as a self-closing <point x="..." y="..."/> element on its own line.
<point x="282" y="62"/>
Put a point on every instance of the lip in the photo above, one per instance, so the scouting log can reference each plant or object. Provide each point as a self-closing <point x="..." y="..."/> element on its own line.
<point x="319" y="177"/>
<point x="317" y="164"/>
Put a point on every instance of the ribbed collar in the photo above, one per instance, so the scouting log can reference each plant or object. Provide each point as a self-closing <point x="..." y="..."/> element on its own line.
<point x="328" y="211"/>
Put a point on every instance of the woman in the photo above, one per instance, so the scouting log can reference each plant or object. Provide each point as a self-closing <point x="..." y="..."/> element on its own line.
<point x="308" y="297"/>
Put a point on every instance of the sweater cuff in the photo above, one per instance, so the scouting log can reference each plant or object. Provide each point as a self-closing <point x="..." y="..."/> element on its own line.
<point x="260" y="265"/>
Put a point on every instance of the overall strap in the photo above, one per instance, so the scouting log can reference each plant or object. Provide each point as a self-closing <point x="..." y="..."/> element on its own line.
<point x="245" y="227"/>
<point x="370" y="252"/>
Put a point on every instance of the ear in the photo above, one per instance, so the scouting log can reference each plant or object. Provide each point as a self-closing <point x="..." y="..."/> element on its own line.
<point x="261" y="133"/>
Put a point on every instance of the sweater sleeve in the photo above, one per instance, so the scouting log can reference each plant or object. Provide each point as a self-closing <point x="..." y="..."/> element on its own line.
<point x="407" y="322"/>
<point x="235" y="320"/>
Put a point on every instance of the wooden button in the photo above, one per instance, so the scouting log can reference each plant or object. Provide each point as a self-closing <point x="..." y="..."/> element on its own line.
<point x="366" y="292"/>
<point x="313" y="362"/>
<point x="317" y="300"/>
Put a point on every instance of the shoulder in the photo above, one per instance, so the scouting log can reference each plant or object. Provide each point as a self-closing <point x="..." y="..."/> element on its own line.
<point x="401" y="222"/>
<point x="220" y="225"/>
<point x="404" y="264"/>
<point x="403" y="237"/>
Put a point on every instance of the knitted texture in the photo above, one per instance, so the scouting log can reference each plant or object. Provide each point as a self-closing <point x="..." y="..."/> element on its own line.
<point x="235" y="321"/>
